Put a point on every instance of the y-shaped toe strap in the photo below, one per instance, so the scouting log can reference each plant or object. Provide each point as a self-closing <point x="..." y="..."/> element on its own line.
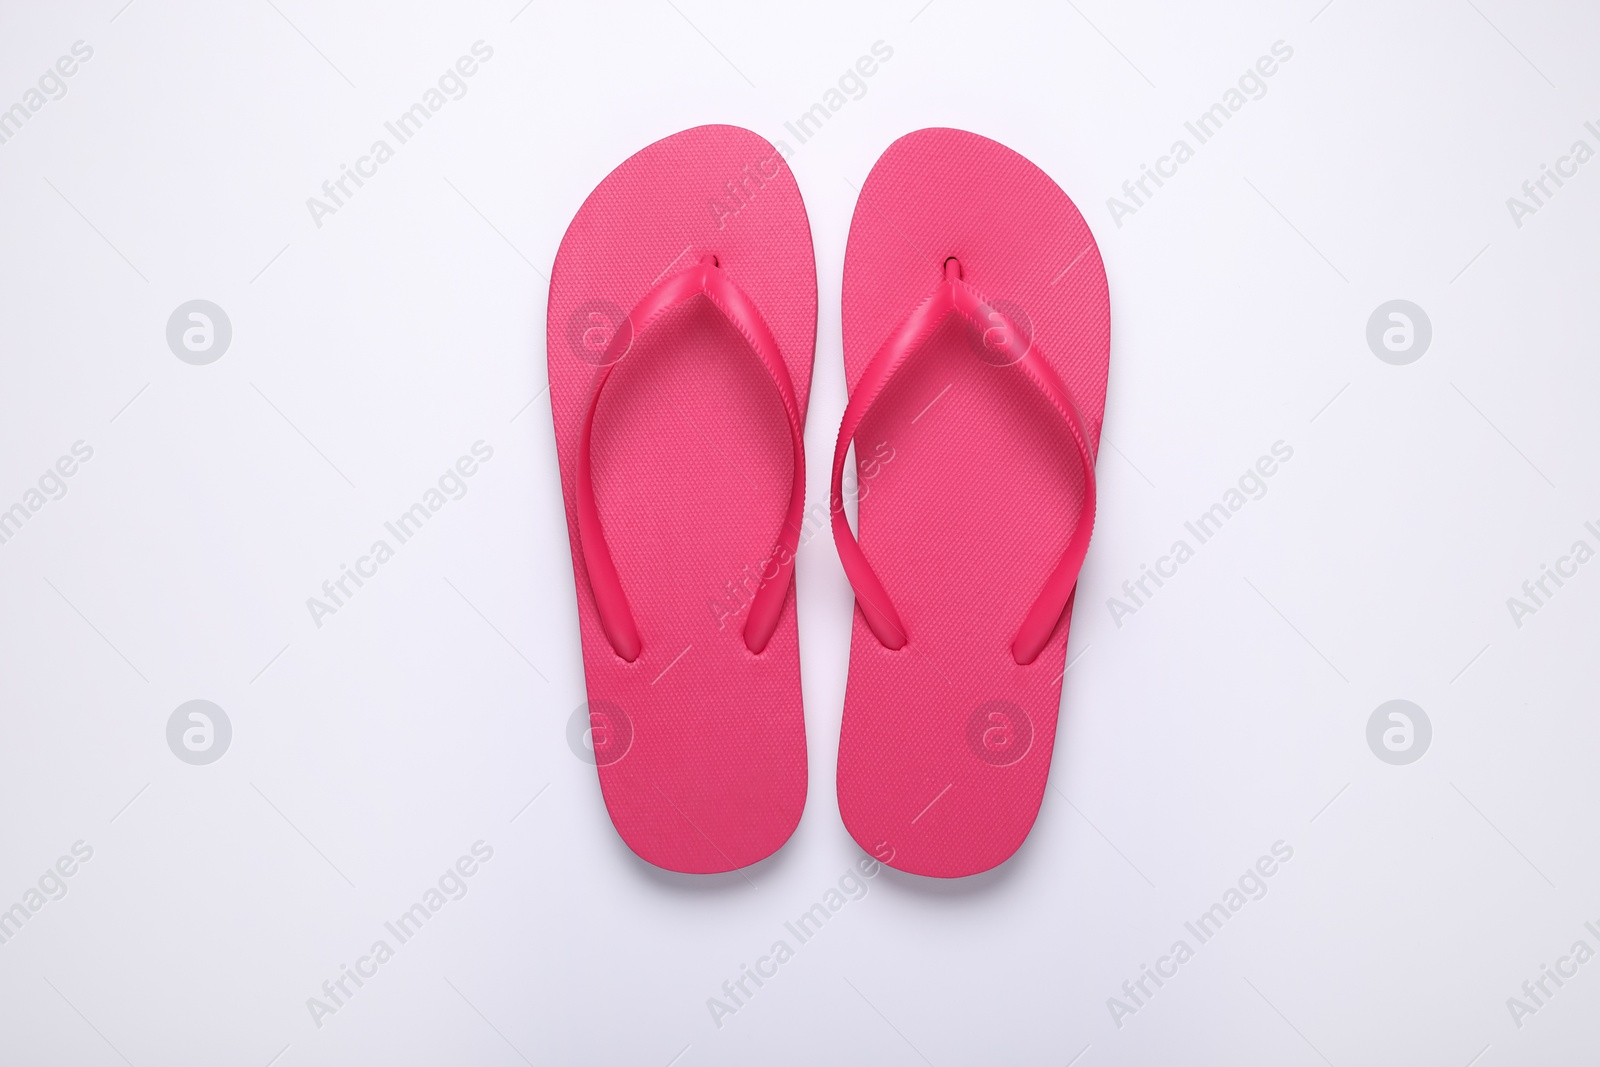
<point x="708" y="279"/>
<point x="1001" y="336"/>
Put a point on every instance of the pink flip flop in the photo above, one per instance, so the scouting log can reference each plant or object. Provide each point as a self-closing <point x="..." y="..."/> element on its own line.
<point x="976" y="346"/>
<point x="682" y="321"/>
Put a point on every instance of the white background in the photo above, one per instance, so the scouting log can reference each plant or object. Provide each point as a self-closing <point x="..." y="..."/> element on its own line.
<point x="370" y="352"/>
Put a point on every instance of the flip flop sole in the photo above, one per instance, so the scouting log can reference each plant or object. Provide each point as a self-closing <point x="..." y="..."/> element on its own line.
<point x="699" y="743"/>
<point x="945" y="747"/>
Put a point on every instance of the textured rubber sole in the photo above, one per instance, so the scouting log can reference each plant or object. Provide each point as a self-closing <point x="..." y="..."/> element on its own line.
<point x="699" y="744"/>
<point x="944" y="752"/>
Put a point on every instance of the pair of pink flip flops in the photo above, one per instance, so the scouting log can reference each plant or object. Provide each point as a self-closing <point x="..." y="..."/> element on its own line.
<point x="682" y="322"/>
